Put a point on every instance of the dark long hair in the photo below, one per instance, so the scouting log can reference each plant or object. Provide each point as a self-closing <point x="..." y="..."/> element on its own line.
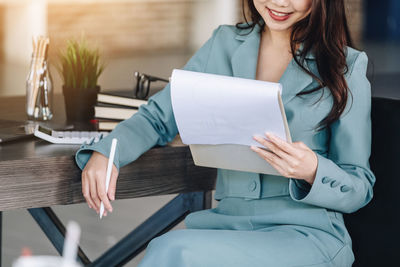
<point x="325" y="33"/>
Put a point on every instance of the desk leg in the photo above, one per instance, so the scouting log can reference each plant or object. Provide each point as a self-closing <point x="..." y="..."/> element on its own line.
<point x="1" y="237"/>
<point x="160" y="222"/>
<point x="54" y="230"/>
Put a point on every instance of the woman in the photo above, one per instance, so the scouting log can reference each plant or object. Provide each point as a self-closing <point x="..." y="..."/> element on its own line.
<point x="294" y="219"/>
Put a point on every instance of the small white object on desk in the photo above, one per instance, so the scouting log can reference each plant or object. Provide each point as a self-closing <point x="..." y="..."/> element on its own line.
<point x="68" y="137"/>
<point x="109" y="169"/>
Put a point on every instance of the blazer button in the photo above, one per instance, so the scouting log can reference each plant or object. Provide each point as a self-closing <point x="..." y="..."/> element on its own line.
<point x="252" y="186"/>
<point x="326" y="180"/>
<point x="345" y="188"/>
<point x="335" y="183"/>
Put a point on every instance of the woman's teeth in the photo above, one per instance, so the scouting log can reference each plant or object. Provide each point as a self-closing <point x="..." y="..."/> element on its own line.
<point x="279" y="14"/>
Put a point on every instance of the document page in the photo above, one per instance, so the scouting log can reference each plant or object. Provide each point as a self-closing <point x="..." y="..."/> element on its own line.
<point x="215" y="109"/>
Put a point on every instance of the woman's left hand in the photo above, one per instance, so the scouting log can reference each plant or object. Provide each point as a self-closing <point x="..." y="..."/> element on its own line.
<point x="292" y="160"/>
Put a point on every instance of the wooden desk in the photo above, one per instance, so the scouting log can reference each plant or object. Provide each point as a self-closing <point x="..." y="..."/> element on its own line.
<point x="36" y="174"/>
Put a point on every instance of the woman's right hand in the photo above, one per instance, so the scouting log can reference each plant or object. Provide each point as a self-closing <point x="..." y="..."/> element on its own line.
<point x="94" y="182"/>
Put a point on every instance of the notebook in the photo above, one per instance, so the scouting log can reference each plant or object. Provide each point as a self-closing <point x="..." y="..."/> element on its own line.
<point x="107" y="111"/>
<point x="121" y="98"/>
<point x="218" y="115"/>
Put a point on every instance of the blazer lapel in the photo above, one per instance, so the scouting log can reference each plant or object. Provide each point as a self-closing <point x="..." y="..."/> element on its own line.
<point x="294" y="80"/>
<point x="245" y="57"/>
<point x="244" y="65"/>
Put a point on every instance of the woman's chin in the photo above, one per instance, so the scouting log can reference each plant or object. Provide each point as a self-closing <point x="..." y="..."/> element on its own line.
<point x="277" y="26"/>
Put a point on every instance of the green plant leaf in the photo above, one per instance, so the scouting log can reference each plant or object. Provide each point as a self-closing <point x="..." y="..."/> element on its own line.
<point x="79" y="65"/>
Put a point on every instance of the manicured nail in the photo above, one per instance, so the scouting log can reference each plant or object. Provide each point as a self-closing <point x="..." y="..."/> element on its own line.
<point x="256" y="137"/>
<point x="271" y="136"/>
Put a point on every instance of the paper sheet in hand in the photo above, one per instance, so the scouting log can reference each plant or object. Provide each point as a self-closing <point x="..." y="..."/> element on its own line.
<point x="218" y="115"/>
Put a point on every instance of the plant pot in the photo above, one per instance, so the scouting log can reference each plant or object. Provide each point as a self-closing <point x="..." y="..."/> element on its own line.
<point x="79" y="103"/>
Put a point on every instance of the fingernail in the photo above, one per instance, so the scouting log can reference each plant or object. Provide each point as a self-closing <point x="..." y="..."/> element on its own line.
<point x="271" y="135"/>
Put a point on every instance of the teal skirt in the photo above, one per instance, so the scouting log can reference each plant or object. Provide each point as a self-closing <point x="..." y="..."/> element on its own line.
<point x="265" y="232"/>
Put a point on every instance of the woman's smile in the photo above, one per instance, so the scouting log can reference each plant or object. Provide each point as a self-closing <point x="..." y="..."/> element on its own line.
<point x="278" y="16"/>
<point x="281" y="15"/>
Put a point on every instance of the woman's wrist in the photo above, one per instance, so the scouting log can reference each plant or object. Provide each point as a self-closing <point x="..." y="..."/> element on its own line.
<point x="311" y="179"/>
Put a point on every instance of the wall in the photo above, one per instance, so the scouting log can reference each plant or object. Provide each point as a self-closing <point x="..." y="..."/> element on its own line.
<point x="22" y="21"/>
<point x="355" y="20"/>
<point x="207" y="15"/>
<point x="138" y="26"/>
<point x="128" y="27"/>
<point x="1" y="33"/>
<point x="123" y="27"/>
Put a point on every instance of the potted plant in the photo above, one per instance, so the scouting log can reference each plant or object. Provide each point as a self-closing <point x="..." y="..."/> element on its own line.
<point x="80" y="69"/>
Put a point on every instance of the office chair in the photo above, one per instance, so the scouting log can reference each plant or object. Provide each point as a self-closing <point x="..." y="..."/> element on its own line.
<point x="375" y="229"/>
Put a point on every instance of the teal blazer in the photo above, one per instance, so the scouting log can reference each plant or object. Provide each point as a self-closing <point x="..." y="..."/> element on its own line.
<point x="343" y="180"/>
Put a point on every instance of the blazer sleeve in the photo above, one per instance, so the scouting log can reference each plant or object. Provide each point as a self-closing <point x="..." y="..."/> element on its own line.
<point x="344" y="180"/>
<point x="153" y="124"/>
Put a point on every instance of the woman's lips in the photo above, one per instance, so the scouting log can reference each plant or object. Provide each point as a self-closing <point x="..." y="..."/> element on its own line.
<point x="278" y="16"/>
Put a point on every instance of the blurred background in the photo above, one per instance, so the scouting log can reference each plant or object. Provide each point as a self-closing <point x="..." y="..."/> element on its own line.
<point x="156" y="36"/>
<point x="151" y="36"/>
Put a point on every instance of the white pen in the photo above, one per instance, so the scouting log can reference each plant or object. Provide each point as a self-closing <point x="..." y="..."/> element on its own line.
<point x="109" y="169"/>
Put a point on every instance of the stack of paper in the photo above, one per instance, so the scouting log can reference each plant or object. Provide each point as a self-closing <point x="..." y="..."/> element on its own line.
<point x="219" y="115"/>
<point x="216" y="109"/>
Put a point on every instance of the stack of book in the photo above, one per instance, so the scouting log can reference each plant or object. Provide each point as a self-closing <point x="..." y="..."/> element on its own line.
<point x="114" y="107"/>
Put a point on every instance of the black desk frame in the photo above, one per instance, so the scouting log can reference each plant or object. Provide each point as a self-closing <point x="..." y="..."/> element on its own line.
<point x="136" y="241"/>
